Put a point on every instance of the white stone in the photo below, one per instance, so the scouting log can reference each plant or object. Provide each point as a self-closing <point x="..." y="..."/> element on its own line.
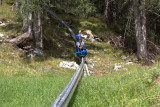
<point x="153" y="61"/>
<point x="64" y="55"/>
<point x="84" y="36"/>
<point x="105" y="50"/>
<point x="88" y="35"/>
<point x="135" y="59"/>
<point x="70" y="65"/>
<point x="1" y="35"/>
<point x="129" y="63"/>
<point x="66" y="34"/>
<point x="3" y="24"/>
<point x="117" y="67"/>
<point x="123" y="57"/>
<point x="89" y="32"/>
<point x="59" y="45"/>
<point x="91" y="65"/>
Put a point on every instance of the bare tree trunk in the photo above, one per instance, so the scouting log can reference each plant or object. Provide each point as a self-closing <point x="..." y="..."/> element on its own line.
<point x="25" y="38"/>
<point x="140" y="28"/>
<point x="37" y="28"/>
<point x="0" y="2"/>
<point x="16" y="4"/>
<point x="30" y="25"/>
<point x="117" y="12"/>
<point x="155" y="35"/>
<point x="107" y="11"/>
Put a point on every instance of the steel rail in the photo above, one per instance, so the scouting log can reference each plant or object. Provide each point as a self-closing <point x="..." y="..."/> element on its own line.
<point x="63" y="99"/>
<point x="54" y="15"/>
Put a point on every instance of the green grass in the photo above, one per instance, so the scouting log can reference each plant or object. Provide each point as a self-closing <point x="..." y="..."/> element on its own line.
<point x="12" y="27"/>
<point x="120" y="89"/>
<point x="31" y="91"/>
<point x="6" y="11"/>
<point x="29" y="82"/>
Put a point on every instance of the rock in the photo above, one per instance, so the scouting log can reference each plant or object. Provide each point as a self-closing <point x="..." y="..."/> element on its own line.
<point x="63" y="55"/>
<point x="88" y="35"/>
<point x="123" y="57"/>
<point x="59" y="45"/>
<point x="153" y="61"/>
<point x="2" y="20"/>
<point x="135" y="59"/>
<point x="129" y="63"/>
<point x="117" y="67"/>
<point x="27" y="47"/>
<point x="92" y="72"/>
<point x="3" y="24"/>
<point x="98" y="39"/>
<point x="70" y="65"/>
<point x="84" y="36"/>
<point x="129" y="60"/>
<point x="35" y="52"/>
<point x="91" y="65"/>
<point x="38" y="52"/>
<point x="1" y="35"/>
<point x="105" y="50"/>
<point x="66" y="34"/>
<point x="152" y="69"/>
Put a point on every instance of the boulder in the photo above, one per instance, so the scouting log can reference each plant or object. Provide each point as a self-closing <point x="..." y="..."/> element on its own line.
<point x="2" y="24"/>
<point x="35" y="53"/>
<point x="88" y="35"/>
<point x="1" y="35"/>
<point x="124" y="57"/>
<point x="117" y="66"/>
<point x="69" y="65"/>
<point x="129" y="63"/>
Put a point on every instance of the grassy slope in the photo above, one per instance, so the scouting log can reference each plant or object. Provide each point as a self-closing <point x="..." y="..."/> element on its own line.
<point x="30" y="82"/>
<point x="37" y="82"/>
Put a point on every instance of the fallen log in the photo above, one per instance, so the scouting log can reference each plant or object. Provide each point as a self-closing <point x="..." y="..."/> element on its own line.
<point x="21" y="41"/>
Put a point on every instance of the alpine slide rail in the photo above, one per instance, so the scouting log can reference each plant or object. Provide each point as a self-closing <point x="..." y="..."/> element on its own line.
<point x="63" y="99"/>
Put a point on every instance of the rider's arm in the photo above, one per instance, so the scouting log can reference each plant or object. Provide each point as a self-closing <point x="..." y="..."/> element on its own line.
<point x="78" y="45"/>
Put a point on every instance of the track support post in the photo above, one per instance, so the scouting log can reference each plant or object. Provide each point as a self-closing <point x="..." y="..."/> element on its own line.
<point x="88" y="73"/>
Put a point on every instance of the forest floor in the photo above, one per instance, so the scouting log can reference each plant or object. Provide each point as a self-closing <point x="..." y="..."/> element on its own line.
<point x="36" y="82"/>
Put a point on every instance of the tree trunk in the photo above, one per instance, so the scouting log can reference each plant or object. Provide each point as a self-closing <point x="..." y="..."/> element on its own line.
<point x="26" y="38"/>
<point x="37" y="28"/>
<point x="116" y="20"/>
<point x="0" y="2"/>
<point x="16" y="4"/>
<point x="140" y="28"/>
<point x="107" y="11"/>
<point x="30" y="25"/>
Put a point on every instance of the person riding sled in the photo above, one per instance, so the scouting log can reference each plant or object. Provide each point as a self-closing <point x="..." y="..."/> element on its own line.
<point x="80" y="44"/>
